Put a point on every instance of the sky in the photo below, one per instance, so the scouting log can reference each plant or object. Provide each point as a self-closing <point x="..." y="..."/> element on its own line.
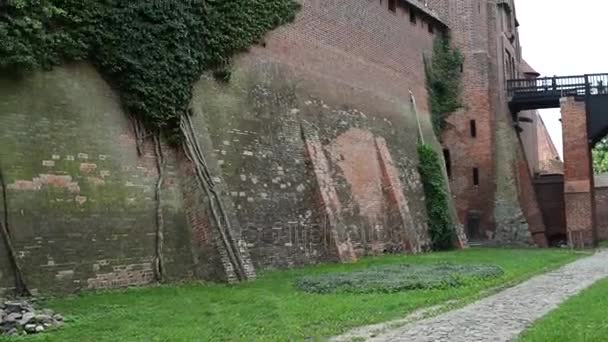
<point x="563" y="37"/>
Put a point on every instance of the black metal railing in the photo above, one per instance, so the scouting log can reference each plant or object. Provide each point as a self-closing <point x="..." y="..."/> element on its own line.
<point x="583" y="85"/>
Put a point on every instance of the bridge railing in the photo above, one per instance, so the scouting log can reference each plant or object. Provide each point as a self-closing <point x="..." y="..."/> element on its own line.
<point x="581" y="85"/>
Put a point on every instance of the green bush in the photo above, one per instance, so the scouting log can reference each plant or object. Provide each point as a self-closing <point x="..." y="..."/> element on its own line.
<point x="397" y="278"/>
<point x="152" y="51"/>
<point x="441" y="227"/>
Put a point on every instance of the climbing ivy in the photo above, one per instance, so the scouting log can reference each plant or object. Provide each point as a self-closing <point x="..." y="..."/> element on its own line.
<point x="441" y="227"/>
<point x="152" y="51"/>
<point x="36" y="35"/>
<point x="443" y="82"/>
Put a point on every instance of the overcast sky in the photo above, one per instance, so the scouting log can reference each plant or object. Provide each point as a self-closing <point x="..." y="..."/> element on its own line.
<point x="563" y="37"/>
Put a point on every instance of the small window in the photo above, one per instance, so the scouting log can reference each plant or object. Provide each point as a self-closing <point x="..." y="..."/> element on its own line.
<point x="392" y="5"/>
<point x="473" y="124"/>
<point x="448" y="162"/>
<point x="475" y="176"/>
<point x="431" y="28"/>
<point x="412" y="15"/>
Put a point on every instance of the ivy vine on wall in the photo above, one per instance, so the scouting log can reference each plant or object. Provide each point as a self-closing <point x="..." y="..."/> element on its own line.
<point x="443" y="82"/>
<point x="152" y="51"/>
<point x="441" y="228"/>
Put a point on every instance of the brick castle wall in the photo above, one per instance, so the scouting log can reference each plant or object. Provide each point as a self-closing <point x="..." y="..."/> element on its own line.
<point x="494" y="199"/>
<point x="81" y="201"/>
<point x="311" y="146"/>
<point x="337" y="80"/>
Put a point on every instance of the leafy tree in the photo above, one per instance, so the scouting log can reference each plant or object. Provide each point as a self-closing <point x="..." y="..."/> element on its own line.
<point x="600" y="156"/>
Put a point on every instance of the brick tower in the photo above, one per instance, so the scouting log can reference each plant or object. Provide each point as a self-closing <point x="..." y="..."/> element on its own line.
<point x="489" y="175"/>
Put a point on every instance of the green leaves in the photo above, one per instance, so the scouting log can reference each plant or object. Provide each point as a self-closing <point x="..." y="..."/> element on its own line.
<point x="443" y="77"/>
<point x="441" y="227"/>
<point x="34" y="36"/>
<point x="152" y="51"/>
<point x="600" y="157"/>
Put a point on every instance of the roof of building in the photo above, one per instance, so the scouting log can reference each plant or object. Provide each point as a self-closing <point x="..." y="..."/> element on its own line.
<point x="548" y="157"/>
<point x="422" y="6"/>
<point x="527" y="69"/>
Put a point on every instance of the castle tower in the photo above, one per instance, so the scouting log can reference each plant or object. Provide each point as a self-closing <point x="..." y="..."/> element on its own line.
<point x="489" y="178"/>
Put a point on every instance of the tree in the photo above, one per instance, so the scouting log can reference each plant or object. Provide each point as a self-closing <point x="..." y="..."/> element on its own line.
<point x="600" y="156"/>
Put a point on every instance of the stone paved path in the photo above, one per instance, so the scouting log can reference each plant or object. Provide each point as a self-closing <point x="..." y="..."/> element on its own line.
<point x="503" y="316"/>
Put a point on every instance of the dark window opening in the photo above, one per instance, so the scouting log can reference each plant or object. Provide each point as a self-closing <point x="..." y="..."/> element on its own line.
<point x="461" y="67"/>
<point x="514" y="70"/>
<point x="448" y="162"/>
<point x="475" y="176"/>
<point x="431" y="28"/>
<point x="473" y="128"/>
<point x="412" y="15"/>
<point x="392" y="5"/>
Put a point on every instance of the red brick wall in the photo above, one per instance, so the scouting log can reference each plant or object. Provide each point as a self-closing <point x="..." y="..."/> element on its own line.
<point x="504" y="198"/>
<point x="470" y="34"/>
<point x="357" y="43"/>
<point x="578" y="174"/>
<point x="81" y="201"/>
<point x="601" y="207"/>
<point x="345" y="68"/>
<point x="601" y="212"/>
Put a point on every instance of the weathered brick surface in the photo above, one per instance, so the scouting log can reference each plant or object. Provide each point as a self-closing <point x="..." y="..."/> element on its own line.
<point x="530" y="205"/>
<point x="81" y="202"/>
<point x="601" y="207"/>
<point x="344" y="69"/>
<point x="312" y="147"/>
<point x="578" y="174"/>
<point x="504" y="198"/>
<point x="470" y="29"/>
<point x="404" y="238"/>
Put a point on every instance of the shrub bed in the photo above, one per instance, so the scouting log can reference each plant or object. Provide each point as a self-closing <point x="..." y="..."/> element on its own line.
<point x="397" y="278"/>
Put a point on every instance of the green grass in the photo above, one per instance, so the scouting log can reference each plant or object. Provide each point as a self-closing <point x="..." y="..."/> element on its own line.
<point x="580" y="319"/>
<point x="398" y="278"/>
<point x="270" y="308"/>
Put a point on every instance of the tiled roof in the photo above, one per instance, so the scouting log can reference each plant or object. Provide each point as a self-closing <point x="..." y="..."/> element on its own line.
<point x="549" y="161"/>
<point x="527" y="69"/>
<point x="421" y="5"/>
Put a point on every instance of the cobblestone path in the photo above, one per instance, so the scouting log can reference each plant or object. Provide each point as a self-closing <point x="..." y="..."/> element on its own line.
<point x="503" y="316"/>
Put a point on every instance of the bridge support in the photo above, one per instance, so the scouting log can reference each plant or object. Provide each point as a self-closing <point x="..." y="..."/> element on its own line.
<point x="578" y="175"/>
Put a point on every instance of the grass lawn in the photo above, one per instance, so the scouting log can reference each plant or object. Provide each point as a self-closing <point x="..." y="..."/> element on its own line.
<point x="580" y="319"/>
<point x="270" y="308"/>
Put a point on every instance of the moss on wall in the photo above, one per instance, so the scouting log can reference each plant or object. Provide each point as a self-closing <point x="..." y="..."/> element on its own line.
<point x="81" y="201"/>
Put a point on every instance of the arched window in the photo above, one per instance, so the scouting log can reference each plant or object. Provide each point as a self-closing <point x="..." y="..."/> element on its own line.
<point x="508" y="65"/>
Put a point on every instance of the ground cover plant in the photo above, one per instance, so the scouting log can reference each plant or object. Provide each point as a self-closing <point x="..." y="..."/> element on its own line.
<point x="580" y="319"/>
<point x="396" y="278"/>
<point x="272" y="308"/>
